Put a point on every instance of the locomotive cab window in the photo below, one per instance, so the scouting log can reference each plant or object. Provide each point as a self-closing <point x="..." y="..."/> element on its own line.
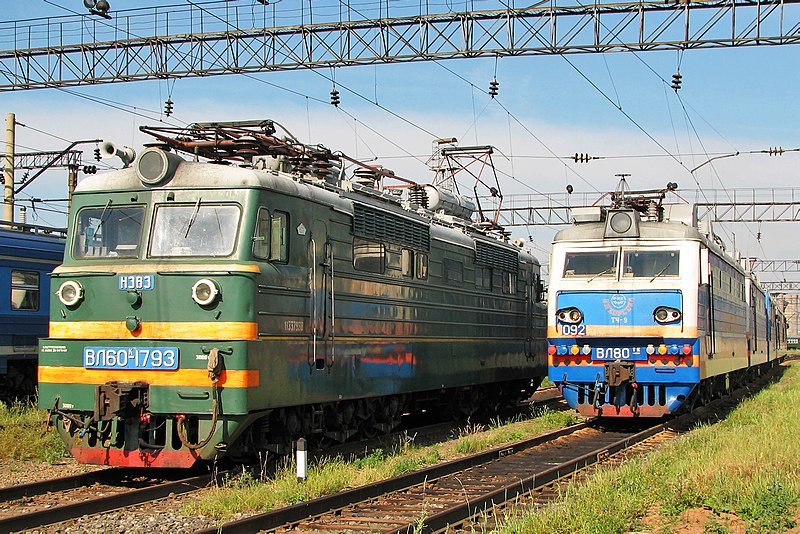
<point x="108" y="232"/>
<point x="261" y="245"/>
<point x="651" y="263"/>
<point x="279" y="237"/>
<point x="270" y="240"/>
<point x="591" y="263"/>
<point x="25" y="290"/>
<point x="194" y="230"/>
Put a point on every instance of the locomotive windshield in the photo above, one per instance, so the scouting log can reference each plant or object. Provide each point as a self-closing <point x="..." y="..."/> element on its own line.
<point x="109" y="232"/>
<point x="651" y="263"/>
<point x="636" y="263"/>
<point x="195" y="230"/>
<point x="591" y="263"/>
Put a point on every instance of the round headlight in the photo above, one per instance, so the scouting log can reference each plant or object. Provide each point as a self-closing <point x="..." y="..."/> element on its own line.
<point x="155" y="166"/>
<point x="621" y="222"/>
<point x="205" y="292"/>
<point x="70" y="293"/>
<point x="663" y="314"/>
<point x="569" y="315"/>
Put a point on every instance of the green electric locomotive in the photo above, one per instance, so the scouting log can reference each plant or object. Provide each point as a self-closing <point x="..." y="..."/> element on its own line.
<point x="234" y="303"/>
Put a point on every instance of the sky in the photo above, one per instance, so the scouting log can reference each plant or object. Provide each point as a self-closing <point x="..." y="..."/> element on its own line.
<point x="615" y="106"/>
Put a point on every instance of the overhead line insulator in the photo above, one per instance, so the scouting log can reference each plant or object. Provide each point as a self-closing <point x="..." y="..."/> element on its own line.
<point x="335" y="100"/>
<point x="582" y="158"/>
<point x="168" y="107"/>
<point x="676" y="81"/>
<point x="776" y="151"/>
<point x="494" y="87"/>
<point x="97" y="154"/>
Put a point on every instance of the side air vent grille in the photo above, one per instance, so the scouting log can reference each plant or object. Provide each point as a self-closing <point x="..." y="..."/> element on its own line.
<point x="388" y="227"/>
<point x="496" y="257"/>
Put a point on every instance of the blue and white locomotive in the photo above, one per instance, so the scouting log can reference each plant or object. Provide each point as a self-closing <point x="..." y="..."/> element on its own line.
<point x="29" y="254"/>
<point x="647" y="312"/>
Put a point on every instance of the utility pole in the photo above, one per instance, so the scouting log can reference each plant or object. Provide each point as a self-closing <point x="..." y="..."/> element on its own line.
<point x="8" y="186"/>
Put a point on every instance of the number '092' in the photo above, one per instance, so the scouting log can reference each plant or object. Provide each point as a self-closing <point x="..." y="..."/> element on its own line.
<point x="573" y="329"/>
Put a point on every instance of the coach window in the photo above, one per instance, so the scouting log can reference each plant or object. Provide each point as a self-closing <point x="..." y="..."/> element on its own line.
<point x="25" y="290"/>
<point x="279" y="237"/>
<point x="368" y="256"/>
<point x="261" y="236"/>
<point x="594" y="263"/>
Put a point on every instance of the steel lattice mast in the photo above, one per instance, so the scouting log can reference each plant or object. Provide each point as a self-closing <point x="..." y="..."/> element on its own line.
<point x="190" y="40"/>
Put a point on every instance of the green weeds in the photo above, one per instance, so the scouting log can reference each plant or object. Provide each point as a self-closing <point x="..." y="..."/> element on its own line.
<point x="746" y="466"/>
<point x="23" y="436"/>
<point x="244" y="494"/>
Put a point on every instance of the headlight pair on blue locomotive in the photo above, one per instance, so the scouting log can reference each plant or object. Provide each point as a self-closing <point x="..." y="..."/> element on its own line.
<point x="205" y="310"/>
<point x="648" y="313"/>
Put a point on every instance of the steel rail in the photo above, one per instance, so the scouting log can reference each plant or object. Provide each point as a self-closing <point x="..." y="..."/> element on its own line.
<point x="300" y="511"/>
<point x="102" y="504"/>
<point x="40" y="487"/>
<point x="472" y="507"/>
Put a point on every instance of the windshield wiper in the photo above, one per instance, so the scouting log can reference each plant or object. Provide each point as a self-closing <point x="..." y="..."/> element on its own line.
<point x="192" y="218"/>
<point x="610" y="269"/>
<point x="662" y="271"/>
<point x="103" y="216"/>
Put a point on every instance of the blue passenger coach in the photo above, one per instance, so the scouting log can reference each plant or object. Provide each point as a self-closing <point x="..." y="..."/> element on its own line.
<point x="646" y="310"/>
<point x="27" y="256"/>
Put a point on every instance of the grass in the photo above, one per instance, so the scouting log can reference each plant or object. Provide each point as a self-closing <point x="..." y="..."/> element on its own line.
<point x="23" y="437"/>
<point x="745" y="465"/>
<point x="244" y="493"/>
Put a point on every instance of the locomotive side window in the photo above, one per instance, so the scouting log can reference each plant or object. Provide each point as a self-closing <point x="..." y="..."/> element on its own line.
<point x="368" y="256"/>
<point x="279" y="237"/>
<point x="594" y="263"/>
<point x="483" y="277"/>
<point x="422" y="265"/>
<point x="407" y="262"/>
<point x="509" y="283"/>
<point x="261" y="244"/>
<point x="194" y="230"/>
<point x="651" y="263"/>
<point x="453" y="271"/>
<point x="25" y="290"/>
<point x="109" y="232"/>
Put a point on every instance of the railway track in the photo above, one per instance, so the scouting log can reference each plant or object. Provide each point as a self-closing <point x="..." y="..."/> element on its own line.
<point x="110" y="489"/>
<point x="471" y="493"/>
<point x="63" y="499"/>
